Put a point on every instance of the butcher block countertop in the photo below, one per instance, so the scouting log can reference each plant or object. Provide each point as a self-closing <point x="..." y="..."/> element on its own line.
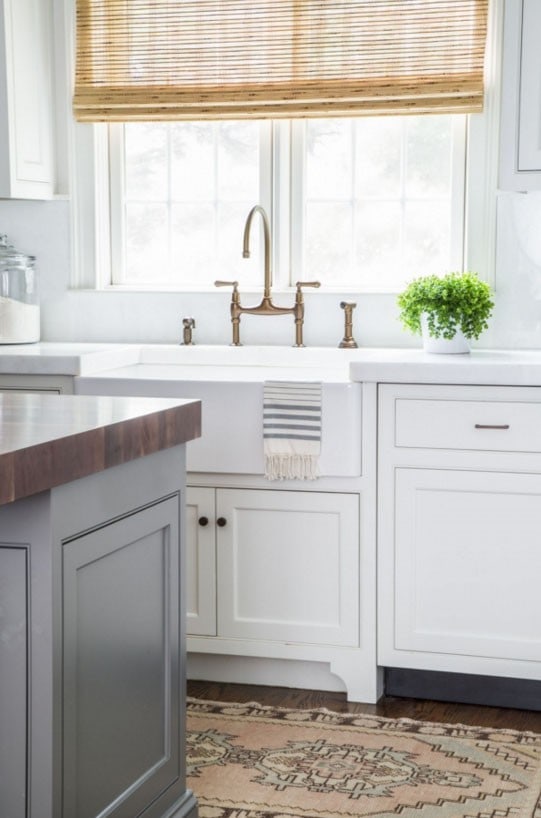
<point x="49" y="440"/>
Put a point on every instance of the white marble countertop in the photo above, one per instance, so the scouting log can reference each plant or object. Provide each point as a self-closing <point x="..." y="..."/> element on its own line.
<point x="406" y="365"/>
<point x="480" y="366"/>
<point x="48" y="358"/>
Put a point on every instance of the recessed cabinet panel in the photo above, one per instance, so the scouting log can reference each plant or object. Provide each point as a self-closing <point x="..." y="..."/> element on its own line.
<point x="288" y="566"/>
<point x="200" y="562"/>
<point x="529" y="141"/>
<point x="121" y="664"/>
<point x="467" y="563"/>
<point x="520" y="129"/>
<point x="13" y="681"/>
<point x="489" y="425"/>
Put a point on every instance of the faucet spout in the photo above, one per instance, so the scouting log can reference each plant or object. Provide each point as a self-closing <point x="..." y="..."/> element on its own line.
<point x="267" y="246"/>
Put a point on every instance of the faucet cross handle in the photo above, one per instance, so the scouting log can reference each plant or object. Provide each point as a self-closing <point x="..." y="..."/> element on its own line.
<point x="233" y="284"/>
<point x="300" y="284"/>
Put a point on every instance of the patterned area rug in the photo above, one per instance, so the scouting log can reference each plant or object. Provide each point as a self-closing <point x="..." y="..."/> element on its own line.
<point x="250" y="761"/>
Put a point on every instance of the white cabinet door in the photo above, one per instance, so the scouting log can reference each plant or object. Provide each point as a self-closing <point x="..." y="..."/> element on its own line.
<point x="26" y="100"/>
<point x="520" y="161"/>
<point x="200" y="561"/>
<point x="460" y="568"/>
<point x="288" y="566"/>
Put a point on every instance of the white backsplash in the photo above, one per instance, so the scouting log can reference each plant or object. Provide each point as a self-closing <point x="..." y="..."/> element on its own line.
<point x="42" y="229"/>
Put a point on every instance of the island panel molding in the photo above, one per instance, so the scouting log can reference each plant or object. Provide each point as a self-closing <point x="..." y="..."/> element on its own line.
<point x="44" y="444"/>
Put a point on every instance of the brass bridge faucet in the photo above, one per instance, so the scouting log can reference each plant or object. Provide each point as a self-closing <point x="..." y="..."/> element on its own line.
<point x="266" y="307"/>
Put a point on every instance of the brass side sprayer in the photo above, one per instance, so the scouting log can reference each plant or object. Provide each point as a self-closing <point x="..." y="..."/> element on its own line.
<point x="348" y="341"/>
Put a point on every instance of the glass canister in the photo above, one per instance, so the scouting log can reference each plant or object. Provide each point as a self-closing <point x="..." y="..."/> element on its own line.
<point x="19" y="300"/>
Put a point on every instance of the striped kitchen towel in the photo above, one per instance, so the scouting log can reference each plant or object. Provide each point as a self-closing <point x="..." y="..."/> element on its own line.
<point x="291" y="430"/>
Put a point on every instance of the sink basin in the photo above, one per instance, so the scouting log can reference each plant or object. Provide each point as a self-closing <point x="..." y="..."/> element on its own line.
<point x="229" y="381"/>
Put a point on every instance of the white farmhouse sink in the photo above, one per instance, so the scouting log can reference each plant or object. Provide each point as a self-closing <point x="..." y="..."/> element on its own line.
<point x="229" y="381"/>
<point x="257" y="356"/>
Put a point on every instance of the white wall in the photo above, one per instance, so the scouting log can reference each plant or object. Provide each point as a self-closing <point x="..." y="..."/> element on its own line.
<point x="43" y="229"/>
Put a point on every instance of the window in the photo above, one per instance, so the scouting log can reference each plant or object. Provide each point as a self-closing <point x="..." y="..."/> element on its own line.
<point x="362" y="204"/>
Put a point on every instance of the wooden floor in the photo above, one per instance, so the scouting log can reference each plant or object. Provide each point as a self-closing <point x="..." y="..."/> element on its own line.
<point x="421" y="710"/>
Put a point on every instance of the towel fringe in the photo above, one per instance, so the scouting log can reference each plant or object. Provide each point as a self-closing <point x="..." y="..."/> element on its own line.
<point x="291" y="467"/>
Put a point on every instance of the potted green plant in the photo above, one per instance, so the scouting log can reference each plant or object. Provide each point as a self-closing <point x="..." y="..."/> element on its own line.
<point x="448" y="311"/>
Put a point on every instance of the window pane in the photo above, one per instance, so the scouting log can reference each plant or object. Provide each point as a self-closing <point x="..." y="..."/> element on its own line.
<point x="329" y="159"/>
<point x="378" y="200"/>
<point x="238" y="162"/>
<point x="188" y="190"/>
<point x="192" y="161"/>
<point x="146" y="241"/>
<point x="378" y="154"/>
<point x="327" y="258"/>
<point x="146" y="161"/>
<point x="377" y="231"/>
<point x="192" y="227"/>
<point x="426" y="246"/>
<point x="428" y="166"/>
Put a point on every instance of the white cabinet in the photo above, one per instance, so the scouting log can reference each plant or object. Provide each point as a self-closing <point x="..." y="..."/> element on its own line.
<point x="273" y="566"/>
<point x="520" y="140"/>
<point x="459" y="528"/>
<point x="26" y="100"/>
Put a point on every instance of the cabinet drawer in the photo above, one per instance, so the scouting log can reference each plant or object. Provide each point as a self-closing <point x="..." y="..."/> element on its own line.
<point x="468" y="424"/>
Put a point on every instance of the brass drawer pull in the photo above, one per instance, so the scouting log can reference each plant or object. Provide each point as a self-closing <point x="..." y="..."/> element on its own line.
<point x="489" y="426"/>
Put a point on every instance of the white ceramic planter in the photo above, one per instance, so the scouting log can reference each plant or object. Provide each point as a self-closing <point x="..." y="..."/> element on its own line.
<point x="459" y="345"/>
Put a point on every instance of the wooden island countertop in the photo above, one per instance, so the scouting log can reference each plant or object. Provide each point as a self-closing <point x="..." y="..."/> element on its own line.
<point x="49" y="440"/>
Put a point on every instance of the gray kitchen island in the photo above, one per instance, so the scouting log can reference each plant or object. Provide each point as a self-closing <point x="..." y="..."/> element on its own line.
<point x="92" y="684"/>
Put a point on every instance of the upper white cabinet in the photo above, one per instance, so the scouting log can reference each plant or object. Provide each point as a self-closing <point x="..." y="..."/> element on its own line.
<point x="26" y="104"/>
<point x="520" y="140"/>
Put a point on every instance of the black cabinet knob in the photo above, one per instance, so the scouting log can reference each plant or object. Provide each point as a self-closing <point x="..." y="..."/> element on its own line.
<point x="221" y="521"/>
<point x="203" y="521"/>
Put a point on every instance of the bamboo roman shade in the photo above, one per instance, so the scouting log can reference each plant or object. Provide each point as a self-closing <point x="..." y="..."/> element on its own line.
<point x="234" y="59"/>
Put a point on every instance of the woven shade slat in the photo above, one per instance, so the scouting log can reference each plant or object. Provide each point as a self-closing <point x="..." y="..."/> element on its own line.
<point x="216" y="59"/>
